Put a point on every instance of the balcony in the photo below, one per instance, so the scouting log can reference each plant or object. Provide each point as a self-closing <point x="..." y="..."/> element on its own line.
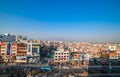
<point x="13" y="51"/>
<point x="19" y="54"/>
<point x="3" y="52"/>
<point x="3" y="49"/>
<point x="22" y="48"/>
<point x="22" y="45"/>
<point x="13" y="54"/>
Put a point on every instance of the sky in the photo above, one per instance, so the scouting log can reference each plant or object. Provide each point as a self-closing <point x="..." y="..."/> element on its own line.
<point x="74" y="20"/>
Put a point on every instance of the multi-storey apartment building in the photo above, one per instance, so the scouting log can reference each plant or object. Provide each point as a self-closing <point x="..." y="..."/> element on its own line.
<point x="0" y="48"/>
<point x="61" y="56"/>
<point x="4" y="51"/>
<point x="34" y="52"/>
<point x="112" y="52"/>
<point x="118" y="56"/>
<point x="13" y="51"/>
<point x="21" y="52"/>
<point x="76" y="56"/>
<point x="1" y="60"/>
<point x="8" y="51"/>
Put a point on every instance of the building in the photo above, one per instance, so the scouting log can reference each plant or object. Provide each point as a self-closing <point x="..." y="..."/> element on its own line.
<point x="7" y="38"/>
<point x="34" y="52"/>
<point x="21" y="38"/>
<point x="76" y="56"/>
<point x="1" y="59"/>
<point x="0" y="48"/>
<point x="13" y="51"/>
<point x="112" y="48"/>
<point x="4" y="51"/>
<point x="118" y="56"/>
<point x="112" y="52"/>
<point x="61" y="56"/>
<point x="21" y="52"/>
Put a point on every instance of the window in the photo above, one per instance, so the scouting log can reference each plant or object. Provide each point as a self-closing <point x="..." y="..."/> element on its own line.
<point x="14" y="47"/>
<point x="3" y="53"/>
<point x="23" y="58"/>
<point x="2" y="47"/>
<point x="13" y="53"/>
<point x="3" y="50"/>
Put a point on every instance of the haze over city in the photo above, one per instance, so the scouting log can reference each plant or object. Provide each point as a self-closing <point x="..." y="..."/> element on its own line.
<point x="74" y="20"/>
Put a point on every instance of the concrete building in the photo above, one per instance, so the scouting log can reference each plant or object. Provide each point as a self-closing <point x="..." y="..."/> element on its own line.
<point x="1" y="59"/>
<point x="13" y="51"/>
<point x="20" y="38"/>
<point x="76" y="56"/>
<point x="5" y="51"/>
<point x="112" y="52"/>
<point x="0" y="48"/>
<point x="21" y="52"/>
<point x="7" y="38"/>
<point x="34" y="52"/>
<point x="61" y="56"/>
<point x="118" y="56"/>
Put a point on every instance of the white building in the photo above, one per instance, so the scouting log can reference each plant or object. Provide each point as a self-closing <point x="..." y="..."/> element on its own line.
<point x="34" y="51"/>
<point x="61" y="56"/>
<point x="112" y="48"/>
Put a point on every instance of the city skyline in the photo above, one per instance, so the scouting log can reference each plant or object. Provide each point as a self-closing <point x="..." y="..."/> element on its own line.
<point x="62" y="20"/>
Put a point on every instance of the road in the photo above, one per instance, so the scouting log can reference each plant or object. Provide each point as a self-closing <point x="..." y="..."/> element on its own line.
<point x="114" y="69"/>
<point x="73" y="69"/>
<point x="103" y="75"/>
<point x="101" y="66"/>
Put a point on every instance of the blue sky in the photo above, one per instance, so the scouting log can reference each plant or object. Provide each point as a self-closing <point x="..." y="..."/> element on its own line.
<point x="77" y="20"/>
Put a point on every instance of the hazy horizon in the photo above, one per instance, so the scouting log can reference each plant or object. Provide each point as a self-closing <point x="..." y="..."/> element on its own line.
<point x="77" y="20"/>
